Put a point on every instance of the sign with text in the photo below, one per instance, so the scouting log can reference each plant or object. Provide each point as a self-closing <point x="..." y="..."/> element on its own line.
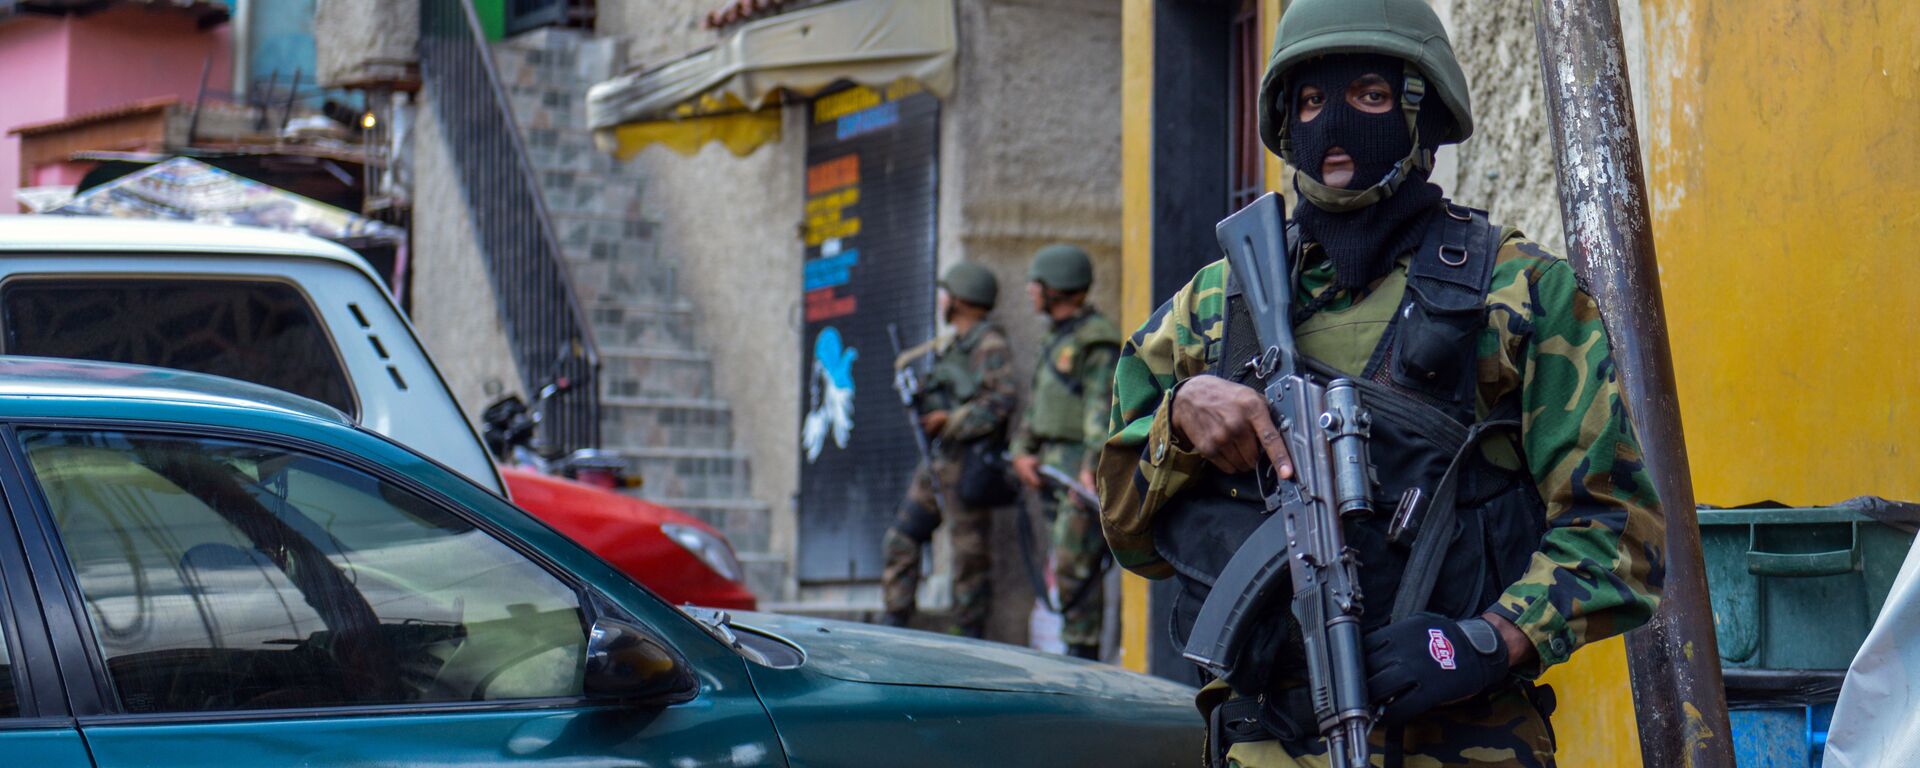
<point x="872" y="195"/>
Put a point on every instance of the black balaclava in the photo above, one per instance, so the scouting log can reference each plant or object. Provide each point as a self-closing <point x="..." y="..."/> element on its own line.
<point x="1362" y="244"/>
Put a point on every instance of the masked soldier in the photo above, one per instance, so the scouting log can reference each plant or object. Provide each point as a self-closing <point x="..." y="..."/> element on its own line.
<point x="965" y="403"/>
<point x="1065" y="424"/>
<point x="1497" y="420"/>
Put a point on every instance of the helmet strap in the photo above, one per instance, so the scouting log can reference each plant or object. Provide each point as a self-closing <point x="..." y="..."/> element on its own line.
<point x="1335" y="200"/>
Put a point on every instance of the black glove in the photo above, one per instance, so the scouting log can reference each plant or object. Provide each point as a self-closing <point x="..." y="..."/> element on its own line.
<point x="1425" y="660"/>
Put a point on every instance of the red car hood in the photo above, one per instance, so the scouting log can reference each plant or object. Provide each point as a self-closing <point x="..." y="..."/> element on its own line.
<point x="626" y="532"/>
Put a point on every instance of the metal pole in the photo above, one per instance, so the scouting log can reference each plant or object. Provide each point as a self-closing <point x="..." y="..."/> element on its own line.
<point x="1674" y="660"/>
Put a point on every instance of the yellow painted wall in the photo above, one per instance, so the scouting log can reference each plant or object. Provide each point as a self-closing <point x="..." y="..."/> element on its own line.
<point x="1785" y="177"/>
<point x="1136" y="251"/>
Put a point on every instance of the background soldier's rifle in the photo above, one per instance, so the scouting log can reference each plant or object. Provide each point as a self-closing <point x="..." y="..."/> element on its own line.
<point x="1080" y="493"/>
<point x="906" y="382"/>
<point x="1083" y="496"/>
<point x="1325" y="431"/>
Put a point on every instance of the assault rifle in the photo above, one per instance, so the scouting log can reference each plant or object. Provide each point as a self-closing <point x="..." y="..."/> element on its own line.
<point x="906" y="382"/>
<point x="1325" y="430"/>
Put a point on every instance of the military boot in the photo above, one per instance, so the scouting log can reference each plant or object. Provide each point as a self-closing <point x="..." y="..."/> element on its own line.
<point x="896" y="618"/>
<point x="1088" y="651"/>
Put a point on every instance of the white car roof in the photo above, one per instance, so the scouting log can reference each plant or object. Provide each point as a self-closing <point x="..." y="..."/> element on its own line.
<point x="98" y="234"/>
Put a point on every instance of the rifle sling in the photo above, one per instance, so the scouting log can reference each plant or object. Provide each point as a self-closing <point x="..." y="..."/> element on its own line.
<point x="1436" y="531"/>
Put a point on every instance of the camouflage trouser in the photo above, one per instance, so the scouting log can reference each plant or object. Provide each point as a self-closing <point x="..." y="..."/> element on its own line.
<point x="1500" y="729"/>
<point x="1077" y="548"/>
<point x="969" y="527"/>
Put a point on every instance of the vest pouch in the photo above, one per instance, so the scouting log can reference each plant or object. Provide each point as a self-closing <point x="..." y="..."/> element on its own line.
<point x="1435" y="344"/>
<point x="1462" y="588"/>
<point x="985" y="477"/>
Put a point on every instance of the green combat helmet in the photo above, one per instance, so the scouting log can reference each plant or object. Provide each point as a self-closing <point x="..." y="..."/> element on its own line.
<point x="1405" y="29"/>
<point x="1062" y="267"/>
<point x="971" y="283"/>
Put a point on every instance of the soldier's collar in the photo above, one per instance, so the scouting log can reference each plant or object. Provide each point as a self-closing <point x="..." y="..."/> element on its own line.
<point x="1079" y="315"/>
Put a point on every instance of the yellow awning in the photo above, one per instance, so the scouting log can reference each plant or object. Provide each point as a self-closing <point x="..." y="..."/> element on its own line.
<point x="723" y="93"/>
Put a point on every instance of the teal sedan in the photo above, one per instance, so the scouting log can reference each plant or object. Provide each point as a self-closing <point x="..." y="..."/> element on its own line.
<point x="198" y="571"/>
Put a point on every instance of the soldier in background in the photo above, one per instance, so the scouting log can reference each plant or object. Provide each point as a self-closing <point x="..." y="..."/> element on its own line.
<point x="1065" y="424"/>
<point x="965" y="403"/>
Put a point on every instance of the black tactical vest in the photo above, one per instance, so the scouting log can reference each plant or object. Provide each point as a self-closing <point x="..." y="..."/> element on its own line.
<point x="1420" y="386"/>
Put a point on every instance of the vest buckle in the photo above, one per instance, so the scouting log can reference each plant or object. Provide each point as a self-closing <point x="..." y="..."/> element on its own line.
<point x="1403" y="516"/>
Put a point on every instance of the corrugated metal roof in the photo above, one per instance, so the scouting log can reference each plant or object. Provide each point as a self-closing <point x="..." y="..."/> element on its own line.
<point x="144" y="106"/>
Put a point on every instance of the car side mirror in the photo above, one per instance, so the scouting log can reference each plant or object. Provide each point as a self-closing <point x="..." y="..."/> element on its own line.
<point x="627" y="663"/>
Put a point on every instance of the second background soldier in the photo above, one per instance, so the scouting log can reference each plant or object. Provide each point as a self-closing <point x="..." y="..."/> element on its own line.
<point x="1065" y="424"/>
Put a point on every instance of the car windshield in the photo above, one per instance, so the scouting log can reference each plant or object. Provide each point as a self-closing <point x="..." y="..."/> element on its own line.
<point x="260" y="331"/>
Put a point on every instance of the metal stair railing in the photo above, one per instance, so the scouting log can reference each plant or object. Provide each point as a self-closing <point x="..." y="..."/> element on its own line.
<point x="546" y="329"/>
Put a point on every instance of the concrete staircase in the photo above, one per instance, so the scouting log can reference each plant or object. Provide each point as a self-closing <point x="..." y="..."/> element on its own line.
<point x="656" y="383"/>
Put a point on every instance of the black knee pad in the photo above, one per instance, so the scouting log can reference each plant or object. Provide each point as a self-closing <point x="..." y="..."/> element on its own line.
<point x="917" y="523"/>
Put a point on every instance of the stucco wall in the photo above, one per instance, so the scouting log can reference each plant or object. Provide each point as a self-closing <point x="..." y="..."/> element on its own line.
<point x="359" y="41"/>
<point x="1507" y="167"/>
<point x="1031" y="142"/>
<point x="456" y="314"/>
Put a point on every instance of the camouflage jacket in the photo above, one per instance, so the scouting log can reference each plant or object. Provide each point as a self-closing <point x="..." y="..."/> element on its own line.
<point x="1072" y="388"/>
<point x="1598" y="570"/>
<point x="973" y="379"/>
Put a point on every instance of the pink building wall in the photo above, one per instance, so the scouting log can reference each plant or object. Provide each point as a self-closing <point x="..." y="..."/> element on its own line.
<point x="33" y="88"/>
<point x="139" y="52"/>
<point x="56" y="68"/>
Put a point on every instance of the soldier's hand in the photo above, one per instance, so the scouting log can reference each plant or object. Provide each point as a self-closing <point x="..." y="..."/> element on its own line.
<point x="1228" y="425"/>
<point x="1086" y="479"/>
<point x="932" y="423"/>
<point x="1028" y="469"/>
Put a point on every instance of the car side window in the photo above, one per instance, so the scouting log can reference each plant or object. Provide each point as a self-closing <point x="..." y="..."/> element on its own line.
<point x="223" y="575"/>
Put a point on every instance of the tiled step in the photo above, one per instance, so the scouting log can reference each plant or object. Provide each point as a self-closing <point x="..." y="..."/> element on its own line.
<point x="641" y="325"/>
<point x="569" y="191"/>
<point x="680" y="473"/>
<point x="666" y="426"/>
<point x="663" y="372"/>
<point x="596" y="282"/>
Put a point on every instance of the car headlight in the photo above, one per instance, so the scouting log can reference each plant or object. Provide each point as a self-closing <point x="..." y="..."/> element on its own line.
<point x="711" y="549"/>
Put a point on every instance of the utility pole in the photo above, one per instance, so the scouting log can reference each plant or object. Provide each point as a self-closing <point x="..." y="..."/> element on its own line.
<point x="1675" y="662"/>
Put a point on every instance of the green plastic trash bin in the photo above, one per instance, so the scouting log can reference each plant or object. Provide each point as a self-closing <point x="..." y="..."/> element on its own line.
<point x="1797" y="588"/>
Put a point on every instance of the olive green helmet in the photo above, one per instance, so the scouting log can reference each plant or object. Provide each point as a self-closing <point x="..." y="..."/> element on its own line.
<point x="1062" y="267"/>
<point x="1405" y="29"/>
<point x="971" y="283"/>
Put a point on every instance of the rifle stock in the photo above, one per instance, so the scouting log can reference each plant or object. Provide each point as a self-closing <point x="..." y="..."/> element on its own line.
<point x="1303" y="536"/>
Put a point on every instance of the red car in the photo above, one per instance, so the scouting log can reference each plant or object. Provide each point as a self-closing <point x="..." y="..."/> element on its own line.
<point x="679" y="557"/>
